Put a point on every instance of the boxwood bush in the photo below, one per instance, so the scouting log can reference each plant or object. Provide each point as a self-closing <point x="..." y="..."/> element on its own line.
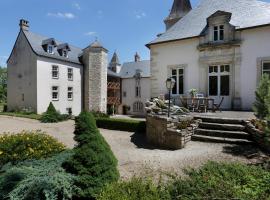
<point x="121" y="124"/>
<point x="93" y="161"/>
<point x="27" y="145"/>
<point x="38" y="179"/>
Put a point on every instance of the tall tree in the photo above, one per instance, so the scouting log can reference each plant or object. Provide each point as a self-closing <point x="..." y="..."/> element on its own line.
<point x="3" y="84"/>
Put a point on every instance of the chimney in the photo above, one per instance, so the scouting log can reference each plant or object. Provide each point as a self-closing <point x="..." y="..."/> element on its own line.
<point x="24" y="25"/>
<point x="137" y="57"/>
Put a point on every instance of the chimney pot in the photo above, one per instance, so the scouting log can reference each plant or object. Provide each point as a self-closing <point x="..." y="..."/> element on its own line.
<point x="24" y="24"/>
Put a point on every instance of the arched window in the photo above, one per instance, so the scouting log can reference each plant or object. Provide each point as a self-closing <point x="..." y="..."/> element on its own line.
<point x="138" y="107"/>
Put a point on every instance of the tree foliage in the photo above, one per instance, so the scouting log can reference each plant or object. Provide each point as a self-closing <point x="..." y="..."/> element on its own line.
<point x="3" y="85"/>
<point x="93" y="161"/>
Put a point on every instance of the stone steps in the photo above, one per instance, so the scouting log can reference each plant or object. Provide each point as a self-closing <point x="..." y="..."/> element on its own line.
<point x="221" y="130"/>
<point x="222" y="133"/>
<point x="227" y="127"/>
<point x="221" y="120"/>
<point x="202" y="138"/>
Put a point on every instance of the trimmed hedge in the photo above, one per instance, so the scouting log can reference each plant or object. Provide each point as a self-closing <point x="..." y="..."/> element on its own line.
<point x="22" y="115"/>
<point x="121" y="124"/>
<point x="93" y="162"/>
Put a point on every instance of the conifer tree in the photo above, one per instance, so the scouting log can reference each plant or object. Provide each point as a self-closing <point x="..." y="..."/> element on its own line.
<point x="262" y="104"/>
<point x="93" y="162"/>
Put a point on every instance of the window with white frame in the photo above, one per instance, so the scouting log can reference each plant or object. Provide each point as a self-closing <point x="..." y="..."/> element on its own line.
<point x="70" y="93"/>
<point x="55" y="93"/>
<point x="138" y="107"/>
<point x="70" y="74"/>
<point x="178" y="76"/>
<point x="266" y="67"/>
<point x="50" y="49"/>
<point x="55" y="72"/>
<point x="219" y="33"/>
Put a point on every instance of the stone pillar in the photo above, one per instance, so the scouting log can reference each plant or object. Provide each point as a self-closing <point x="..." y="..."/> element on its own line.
<point x="95" y="78"/>
<point x="237" y="101"/>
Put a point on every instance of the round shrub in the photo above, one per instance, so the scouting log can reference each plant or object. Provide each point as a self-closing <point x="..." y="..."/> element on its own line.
<point x="27" y="145"/>
<point x="93" y="161"/>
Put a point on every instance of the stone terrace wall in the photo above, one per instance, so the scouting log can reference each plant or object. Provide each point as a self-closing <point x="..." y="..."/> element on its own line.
<point x="160" y="132"/>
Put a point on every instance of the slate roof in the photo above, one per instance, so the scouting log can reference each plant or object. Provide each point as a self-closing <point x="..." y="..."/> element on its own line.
<point x="128" y="69"/>
<point x="35" y="40"/>
<point x="179" y="9"/>
<point x="113" y="74"/>
<point x="245" y="14"/>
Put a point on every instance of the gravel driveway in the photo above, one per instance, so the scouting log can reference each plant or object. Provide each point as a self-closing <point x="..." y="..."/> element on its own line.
<point x="133" y="153"/>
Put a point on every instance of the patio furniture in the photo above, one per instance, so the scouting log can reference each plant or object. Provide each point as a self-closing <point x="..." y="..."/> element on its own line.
<point x="202" y="104"/>
<point x="218" y="106"/>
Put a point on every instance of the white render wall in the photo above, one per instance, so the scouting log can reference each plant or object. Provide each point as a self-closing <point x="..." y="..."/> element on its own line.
<point x="45" y="83"/>
<point x="128" y="86"/>
<point x="254" y="49"/>
<point x="22" y="77"/>
<point x="165" y="56"/>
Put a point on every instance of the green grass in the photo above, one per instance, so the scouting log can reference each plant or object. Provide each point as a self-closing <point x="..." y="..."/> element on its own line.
<point x="28" y="116"/>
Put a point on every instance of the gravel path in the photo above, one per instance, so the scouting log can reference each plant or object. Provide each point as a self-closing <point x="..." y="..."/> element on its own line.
<point x="133" y="154"/>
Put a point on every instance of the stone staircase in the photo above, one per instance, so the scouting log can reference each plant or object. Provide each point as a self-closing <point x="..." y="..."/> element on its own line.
<point x="221" y="130"/>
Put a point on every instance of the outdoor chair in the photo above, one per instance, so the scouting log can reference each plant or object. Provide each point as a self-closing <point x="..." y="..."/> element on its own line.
<point x="202" y="105"/>
<point x="218" y="106"/>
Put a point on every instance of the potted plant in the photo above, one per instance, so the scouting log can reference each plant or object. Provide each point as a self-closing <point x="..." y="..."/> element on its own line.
<point x="193" y="92"/>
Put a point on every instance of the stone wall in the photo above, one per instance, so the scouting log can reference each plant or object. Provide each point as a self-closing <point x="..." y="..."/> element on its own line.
<point x="258" y="136"/>
<point x="161" y="132"/>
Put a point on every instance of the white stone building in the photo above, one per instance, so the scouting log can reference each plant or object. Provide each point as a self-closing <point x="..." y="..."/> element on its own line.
<point x="135" y="85"/>
<point x="42" y="70"/>
<point x="220" y="48"/>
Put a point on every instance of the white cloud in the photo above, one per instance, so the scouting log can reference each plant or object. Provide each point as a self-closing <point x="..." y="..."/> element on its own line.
<point x="77" y="6"/>
<point x="90" y="33"/>
<point x="100" y="14"/>
<point x="62" y="15"/>
<point x="140" y="15"/>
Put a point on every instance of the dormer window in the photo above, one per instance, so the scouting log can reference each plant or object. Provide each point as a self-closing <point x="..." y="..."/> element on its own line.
<point x="63" y="49"/>
<point x="65" y="53"/>
<point x="219" y="33"/>
<point x="50" y="49"/>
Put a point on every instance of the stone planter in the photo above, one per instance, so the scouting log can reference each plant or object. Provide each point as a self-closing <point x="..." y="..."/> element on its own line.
<point x="162" y="132"/>
<point x="258" y="136"/>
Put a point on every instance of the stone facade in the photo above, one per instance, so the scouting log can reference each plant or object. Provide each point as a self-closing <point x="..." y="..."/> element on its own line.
<point x="162" y="132"/>
<point x="95" y="78"/>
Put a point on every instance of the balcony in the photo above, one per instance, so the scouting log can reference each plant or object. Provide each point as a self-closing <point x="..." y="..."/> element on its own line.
<point x="113" y="101"/>
<point x="113" y="86"/>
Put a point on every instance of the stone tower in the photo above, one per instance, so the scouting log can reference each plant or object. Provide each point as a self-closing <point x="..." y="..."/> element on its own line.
<point x="115" y="64"/>
<point x="95" y="77"/>
<point x="179" y="9"/>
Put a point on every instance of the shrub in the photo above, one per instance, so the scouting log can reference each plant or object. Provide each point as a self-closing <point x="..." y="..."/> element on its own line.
<point x="134" y="189"/>
<point x="121" y="124"/>
<point x="52" y="116"/>
<point x="223" y="181"/>
<point x="100" y="115"/>
<point x="43" y="179"/>
<point x="27" y="145"/>
<point x="93" y="161"/>
<point x="262" y="105"/>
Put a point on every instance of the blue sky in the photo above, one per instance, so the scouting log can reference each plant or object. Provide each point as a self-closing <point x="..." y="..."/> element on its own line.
<point x="121" y="25"/>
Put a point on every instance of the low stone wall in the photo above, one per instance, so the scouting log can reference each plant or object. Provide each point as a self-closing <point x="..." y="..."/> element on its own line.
<point x="258" y="136"/>
<point x="162" y="132"/>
